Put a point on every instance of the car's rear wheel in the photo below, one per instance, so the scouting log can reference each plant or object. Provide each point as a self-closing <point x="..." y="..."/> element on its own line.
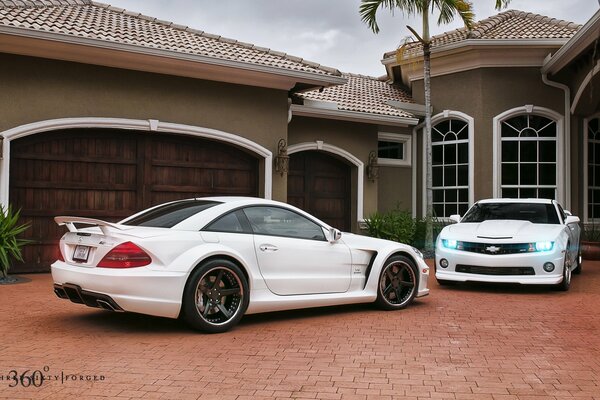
<point x="566" y="282"/>
<point x="397" y="283"/>
<point x="216" y="296"/>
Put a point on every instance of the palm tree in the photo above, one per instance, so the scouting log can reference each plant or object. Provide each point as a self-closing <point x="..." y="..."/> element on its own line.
<point x="447" y="10"/>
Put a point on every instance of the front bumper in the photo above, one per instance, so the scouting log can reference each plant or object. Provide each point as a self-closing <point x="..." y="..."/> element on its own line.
<point x="141" y="290"/>
<point x="423" y="268"/>
<point x="498" y="267"/>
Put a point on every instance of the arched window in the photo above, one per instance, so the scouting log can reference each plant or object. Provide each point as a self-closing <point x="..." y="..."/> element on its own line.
<point x="528" y="157"/>
<point x="450" y="167"/>
<point x="593" y="169"/>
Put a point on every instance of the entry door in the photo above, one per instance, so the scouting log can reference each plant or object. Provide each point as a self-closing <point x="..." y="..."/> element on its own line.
<point x="294" y="256"/>
<point x="320" y="184"/>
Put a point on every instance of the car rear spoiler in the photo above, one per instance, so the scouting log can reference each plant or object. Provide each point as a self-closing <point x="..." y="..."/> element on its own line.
<point x="103" y="225"/>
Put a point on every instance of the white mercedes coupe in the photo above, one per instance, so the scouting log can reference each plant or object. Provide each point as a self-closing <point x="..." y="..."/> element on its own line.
<point x="532" y="241"/>
<point x="212" y="260"/>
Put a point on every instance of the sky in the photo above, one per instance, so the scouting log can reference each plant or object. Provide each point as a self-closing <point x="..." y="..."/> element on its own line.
<point x="328" y="32"/>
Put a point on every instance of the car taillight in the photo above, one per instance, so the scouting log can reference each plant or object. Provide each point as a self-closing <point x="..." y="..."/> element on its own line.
<point x="60" y="256"/>
<point x="125" y="255"/>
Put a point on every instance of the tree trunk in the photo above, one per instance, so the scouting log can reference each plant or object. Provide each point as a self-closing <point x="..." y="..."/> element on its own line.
<point x="427" y="133"/>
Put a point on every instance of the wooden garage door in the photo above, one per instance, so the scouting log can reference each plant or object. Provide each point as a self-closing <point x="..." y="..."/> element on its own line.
<point x="320" y="184"/>
<point x="110" y="174"/>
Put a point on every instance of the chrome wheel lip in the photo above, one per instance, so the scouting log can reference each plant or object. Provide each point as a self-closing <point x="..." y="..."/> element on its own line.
<point x="241" y="295"/>
<point x="382" y="282"/>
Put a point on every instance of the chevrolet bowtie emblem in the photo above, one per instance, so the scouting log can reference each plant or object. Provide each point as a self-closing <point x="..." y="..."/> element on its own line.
<point x="492" y="249"/>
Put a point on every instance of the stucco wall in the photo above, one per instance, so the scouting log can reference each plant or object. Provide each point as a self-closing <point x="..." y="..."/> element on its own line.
<point x="483" y="94"/>
<point x="357" y="139"/>
<point x="36" y="89"/>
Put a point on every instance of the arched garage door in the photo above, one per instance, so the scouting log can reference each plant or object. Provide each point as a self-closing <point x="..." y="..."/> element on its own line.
<point x="110" y="174"/>
<point x="320" y="184"/>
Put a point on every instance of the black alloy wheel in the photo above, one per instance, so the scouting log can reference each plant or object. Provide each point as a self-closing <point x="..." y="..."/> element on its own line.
<point x="215" y="297"/>
<point x="398" y="283"/>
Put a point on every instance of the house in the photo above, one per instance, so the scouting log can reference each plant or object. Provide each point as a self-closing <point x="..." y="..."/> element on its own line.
<point x="515" y="112"/>
<point x="107" y="111"/>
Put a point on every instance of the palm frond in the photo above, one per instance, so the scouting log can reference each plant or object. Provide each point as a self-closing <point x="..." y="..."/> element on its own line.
<point x="449" y="8"/>
<point x="368" y="9"/>
<point x="500" y="4"/>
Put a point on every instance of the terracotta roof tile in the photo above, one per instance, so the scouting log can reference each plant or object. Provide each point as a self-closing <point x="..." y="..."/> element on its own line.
<point x="363" y="94"/>
<point x="91" y="20"/>
<point x="511" y="24"/>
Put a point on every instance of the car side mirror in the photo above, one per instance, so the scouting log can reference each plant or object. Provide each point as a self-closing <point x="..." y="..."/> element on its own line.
<point x="571" y="220"/>
<point x="334" y="235"/>
<point x="455" y="218"/>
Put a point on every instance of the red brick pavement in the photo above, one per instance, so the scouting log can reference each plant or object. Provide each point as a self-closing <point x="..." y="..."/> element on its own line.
<point x="467" y="342"/>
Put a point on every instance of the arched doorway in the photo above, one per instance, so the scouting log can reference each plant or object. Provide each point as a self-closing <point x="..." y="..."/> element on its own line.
<point x="320" y="184"/>
<point x="110" y="174"/>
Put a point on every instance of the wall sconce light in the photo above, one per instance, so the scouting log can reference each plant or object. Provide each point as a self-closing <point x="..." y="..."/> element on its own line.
<point x="372" y="167"/>
<point x="282" y="160"/>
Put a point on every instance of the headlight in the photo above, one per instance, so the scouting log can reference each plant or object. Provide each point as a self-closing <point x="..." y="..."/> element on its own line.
<point x="450" y="243"/>
<point x="544" y="246"/>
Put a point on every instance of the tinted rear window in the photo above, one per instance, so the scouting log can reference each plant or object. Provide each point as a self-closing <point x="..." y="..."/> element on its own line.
<point x="169" y="215"/>
<point x="534" y="212"/>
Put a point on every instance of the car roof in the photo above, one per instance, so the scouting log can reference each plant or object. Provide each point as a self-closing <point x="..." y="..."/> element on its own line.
<point x="538" y="201"/>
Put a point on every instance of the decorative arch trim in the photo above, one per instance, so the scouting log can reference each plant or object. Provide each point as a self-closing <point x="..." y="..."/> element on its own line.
<point x="560" y="144"/>
<point x="150" y="125"/>
<point x="584" y="84"/>
<point x="322" y="146"/>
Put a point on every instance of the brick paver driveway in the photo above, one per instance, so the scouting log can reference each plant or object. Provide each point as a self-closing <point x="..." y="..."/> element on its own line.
<point x="466" y="342"/>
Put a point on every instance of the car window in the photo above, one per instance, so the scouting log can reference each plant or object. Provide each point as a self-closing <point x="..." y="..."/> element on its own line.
<point x="228" y="223"/>
<point x="169" y="215"/>
<point x="538" y="213"/>
<point x="275" y="221"/>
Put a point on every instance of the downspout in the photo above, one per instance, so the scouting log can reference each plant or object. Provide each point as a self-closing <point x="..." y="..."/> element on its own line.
<point x="567" y="152"/>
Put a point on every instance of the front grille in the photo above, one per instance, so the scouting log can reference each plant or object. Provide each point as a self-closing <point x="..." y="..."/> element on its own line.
<point x="481" y="270"/>
<point x="496" y="248"/>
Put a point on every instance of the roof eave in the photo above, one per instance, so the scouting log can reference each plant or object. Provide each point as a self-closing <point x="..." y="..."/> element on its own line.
<point x="311" y="78"/>
<point x="354" y="116"/>
<point x="450" y="47"/>
<point x="570" y="50"/>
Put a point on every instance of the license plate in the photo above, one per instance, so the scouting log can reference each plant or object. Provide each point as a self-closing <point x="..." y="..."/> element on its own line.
<point x="81" y="253"/>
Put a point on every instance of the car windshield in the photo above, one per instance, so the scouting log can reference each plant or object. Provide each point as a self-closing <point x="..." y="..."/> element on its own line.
<point x="537" y="213"/>
<point x="169" y="215"/>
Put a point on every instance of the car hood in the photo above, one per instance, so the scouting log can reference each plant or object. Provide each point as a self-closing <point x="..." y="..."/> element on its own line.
<point x="502" y="229"/>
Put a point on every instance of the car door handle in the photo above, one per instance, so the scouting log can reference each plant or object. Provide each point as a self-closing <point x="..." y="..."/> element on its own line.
<point x="267" y="247"/>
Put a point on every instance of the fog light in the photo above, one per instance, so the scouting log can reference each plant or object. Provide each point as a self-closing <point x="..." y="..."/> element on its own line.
<point x="548" y="267"/>
<point x="444" y="263"/>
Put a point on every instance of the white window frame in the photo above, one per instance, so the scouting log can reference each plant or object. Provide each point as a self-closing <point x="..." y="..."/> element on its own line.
<point x="586" y="184"/>
<point x="406" y="140"/>
<point x="560" y="146"/>
<point x="449" y="114"/>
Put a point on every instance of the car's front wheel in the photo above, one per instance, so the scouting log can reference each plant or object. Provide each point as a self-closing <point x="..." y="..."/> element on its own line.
<point x="566" y="281"/>
<point x="397" y="283"/>
<point x="215" y="297"/>
<point x="577" y="269"/>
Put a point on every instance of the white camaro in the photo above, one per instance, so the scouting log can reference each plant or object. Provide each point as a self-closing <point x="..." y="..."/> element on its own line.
<point x="532" y="241"/>
<point x="212" y="260"/>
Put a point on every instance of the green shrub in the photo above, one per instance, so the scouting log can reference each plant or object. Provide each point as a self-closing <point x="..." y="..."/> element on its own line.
<point x="10" y="246"/>
<point x="401" y="227"/>
<point x="395" y="225"/>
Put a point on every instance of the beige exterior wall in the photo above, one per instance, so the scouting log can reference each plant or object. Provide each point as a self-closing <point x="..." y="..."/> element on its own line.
<point x="483" y="94"/>
<point x="36" y="89"/>
<point x="357" y="139"/>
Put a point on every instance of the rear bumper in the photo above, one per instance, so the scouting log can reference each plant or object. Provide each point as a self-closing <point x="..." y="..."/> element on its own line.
<point x="423" y="290"/>
<point x="90" y="299"/>
<point x="141" y="290"/>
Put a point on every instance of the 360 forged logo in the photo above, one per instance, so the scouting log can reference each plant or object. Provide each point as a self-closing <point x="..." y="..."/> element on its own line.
<point x="36" y="378"/>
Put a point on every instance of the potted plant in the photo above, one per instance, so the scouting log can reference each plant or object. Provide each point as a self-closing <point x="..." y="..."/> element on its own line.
<point x="10" y="245"/>
<point x="590" y="241"/>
